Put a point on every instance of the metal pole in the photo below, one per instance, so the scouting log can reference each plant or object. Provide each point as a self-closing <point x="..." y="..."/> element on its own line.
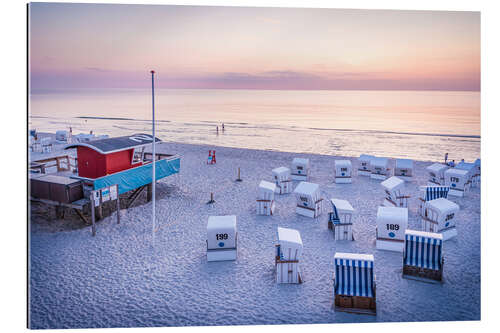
<point x="154" y="155"/>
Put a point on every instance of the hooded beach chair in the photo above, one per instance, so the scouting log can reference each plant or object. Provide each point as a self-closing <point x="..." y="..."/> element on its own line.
<point x="288" y="254"/>
<point x="458" y="181"/>
<point x="391" y="226"/>
<point x="404" y="169"/>
<point x="364" y="165"/>
<point x="340" y="219"/>
<point x="439" y="216"/>
<point x="473" y="170"/>
<point x="379" y="168"/>
<point x="282" y="179"/>
<point x="478" y="169"/>
<point x="396" y="193"/>
<point x="309" y="201"/>
<point x="428" y="193"/>
<point x="265" y="199"/>
<point x="222" y="238"/>
<point x="354" y="283"/>
<point x="436" y="173"/>
<point x="343" y="170"/>
<point x="300" y="168"/>
<point x="423" y="256"/>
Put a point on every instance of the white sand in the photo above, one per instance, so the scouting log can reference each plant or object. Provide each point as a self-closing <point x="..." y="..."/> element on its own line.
<point x="117" y="279"/>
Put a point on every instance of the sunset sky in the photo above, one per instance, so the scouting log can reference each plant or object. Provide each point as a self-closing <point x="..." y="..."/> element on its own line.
<point x="114" y="46"/>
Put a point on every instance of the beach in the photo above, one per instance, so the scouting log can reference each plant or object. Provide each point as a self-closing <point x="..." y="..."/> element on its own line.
<point x="120" y="279"/>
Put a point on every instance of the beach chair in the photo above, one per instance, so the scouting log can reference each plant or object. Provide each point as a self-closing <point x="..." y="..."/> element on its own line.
<point x="62" y="136"/>
<point x="340" y="219"/>
<point x="396" y="193"/>
<point x="300" y="168"/>
<point x="428" y="193"/>
<point x="423" y="256"/>
<point x="309" y="201"/>
<point x="436" y="174"/>
<point x="343" y="170"/>
<point x="354" y="284"/>
<point x="458" y="181"/>
<point x="379" y="167"/>
<point x="439" y="216"/>
<point x="288" y="253"/>
<point x="364" y="165"/>
<point x="404" y="169"/>
<point x="282" y="179"/>
<point x="391" y="226"/>
<point x="473" y="170"/>
<point x="222" y="238"/>
<point x="46" y="144"/>
<point x="265" y="199"/>
<point x="478" y="169"/>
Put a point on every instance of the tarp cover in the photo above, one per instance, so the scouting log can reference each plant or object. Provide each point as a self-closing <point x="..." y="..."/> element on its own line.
<point x="423" y="249"/>
<point x="131" y="179"/>
<point x="353" y="275"/>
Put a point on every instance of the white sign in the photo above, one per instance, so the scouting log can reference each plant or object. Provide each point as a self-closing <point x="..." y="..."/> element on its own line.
<point x="113" y="192"/>
<point x="96" y="198"/>
<point x="105" y="194"/>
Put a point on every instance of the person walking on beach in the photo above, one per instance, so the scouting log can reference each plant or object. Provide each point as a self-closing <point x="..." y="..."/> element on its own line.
<point x="446" y="158"/>
<point x="222" y="127"/>
<point x="217" y="129"/>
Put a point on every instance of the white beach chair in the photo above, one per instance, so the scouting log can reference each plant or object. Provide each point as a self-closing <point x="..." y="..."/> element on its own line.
<point x="458" y="180"/>
<point x="343" y="170"/>
<point x="282" y="179"/>
<point x="379" y="168"/>
<point x="265" y="199"/>
<point x="436" y="174"/>
<point x="340" y="219"/>
<point x="354" y="284"/>
<point x="364" y="165"/>
<point x="391" y="226"/>
<point x="473" y="170"/>
<point x="309" y="201"/>
<point x="222" y="238"/>
<point x="300" y="168"/>
<point x="288" y="253"/>
<point x="439" y="217"/>
<point x="423" y="256"/>
<point x="478" y="168"/>
<point x="62" y="136"/>
<point x="396" y="193"/>
<point x="404" y="169"/>
<point x="46" y="144"/>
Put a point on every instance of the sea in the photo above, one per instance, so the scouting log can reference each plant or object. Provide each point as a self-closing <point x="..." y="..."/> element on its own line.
<point x="421" y="125"/>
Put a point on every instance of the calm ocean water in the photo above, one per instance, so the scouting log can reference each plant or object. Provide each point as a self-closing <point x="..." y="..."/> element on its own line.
<point x="422" y="125"/>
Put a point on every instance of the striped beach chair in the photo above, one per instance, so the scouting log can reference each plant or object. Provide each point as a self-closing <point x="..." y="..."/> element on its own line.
<point x="428" y="193"/>
<point x="354" y="283"/>
<point x="340" y="219"/>
<point x="423" y="256"/>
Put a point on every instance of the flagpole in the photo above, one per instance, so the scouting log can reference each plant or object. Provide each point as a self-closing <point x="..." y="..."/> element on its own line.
<point x="154" y="156"/>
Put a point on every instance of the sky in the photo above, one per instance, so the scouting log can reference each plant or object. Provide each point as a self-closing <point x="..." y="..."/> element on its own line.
<point x="197" y="47"/>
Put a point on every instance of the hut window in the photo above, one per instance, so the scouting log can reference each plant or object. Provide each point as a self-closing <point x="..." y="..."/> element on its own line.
<point x="138" y="155"/>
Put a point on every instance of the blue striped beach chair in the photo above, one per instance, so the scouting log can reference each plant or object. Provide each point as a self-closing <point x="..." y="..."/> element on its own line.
<point x="354" y="283"/>
<point x="423" y="256"/>
<point x="428" y="193"/>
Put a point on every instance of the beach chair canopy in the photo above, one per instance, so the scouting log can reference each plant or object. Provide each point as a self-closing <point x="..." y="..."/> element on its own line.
<point x="221" y="232"/>
<point x="266" y="190"/>
<point x="379" y="162"/>
<point x="465" y="166"/>
<point x="423" y="249"/>
<point x="365" y="158"/>
<point x="434" y="192"/>
<point x="393" y="184"/>
<point x="343" y="164"/>
<point x="437" y="168"/>
<point x="298" y="161"/>
<point x="404" y="163"/>
<point x="340" y="206"/>
<point x="443" y="207"/>
<point x="478" y="162"/>
<point x="307" y="189"/>
<point x="281" y="173"/>
<point x="290" y="243"/>
<point x="354" y="274"/>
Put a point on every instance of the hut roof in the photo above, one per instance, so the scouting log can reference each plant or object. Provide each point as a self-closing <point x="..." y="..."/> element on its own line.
<point x="113" y="145"/>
